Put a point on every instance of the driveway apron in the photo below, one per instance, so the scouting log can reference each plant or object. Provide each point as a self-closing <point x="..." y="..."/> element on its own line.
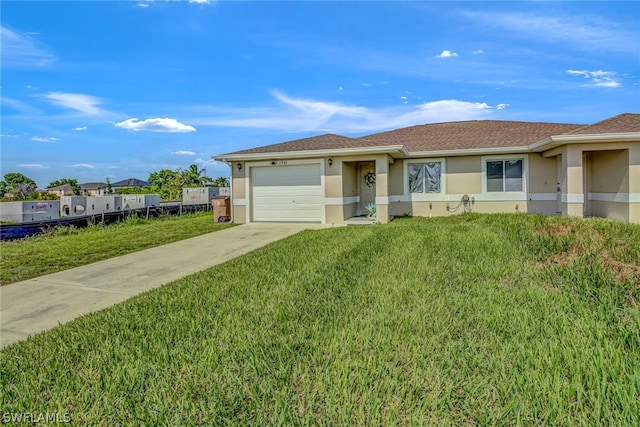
<point x="38" y="304"/>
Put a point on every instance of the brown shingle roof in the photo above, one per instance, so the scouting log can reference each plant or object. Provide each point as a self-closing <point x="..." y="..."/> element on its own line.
<point x="328" y="141"/>
<point x="451" y="136"/>
<point x="470" y="135"/>
<point x="622" y="123"/>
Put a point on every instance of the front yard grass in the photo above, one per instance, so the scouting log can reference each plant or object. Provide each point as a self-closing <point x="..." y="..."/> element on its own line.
<point x="68" y="247"/>
<point x="467" y="320"/>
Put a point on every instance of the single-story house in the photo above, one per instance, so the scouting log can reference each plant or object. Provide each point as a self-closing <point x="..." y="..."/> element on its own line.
<point x="93" y="188"/>
<point x="131" y="182"/>
<point x="61" y="190"/>
<point x="443" y="169"/>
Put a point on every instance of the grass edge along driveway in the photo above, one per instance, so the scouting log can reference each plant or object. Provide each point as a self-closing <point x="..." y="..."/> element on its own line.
<point x="479" y="319"/>
<point x="69" y="247"/>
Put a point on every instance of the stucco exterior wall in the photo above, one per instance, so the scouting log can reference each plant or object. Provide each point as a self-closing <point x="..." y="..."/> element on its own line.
<point x="349" y="186"/>
<point x="396" y="178"/>
<point x="463" y="175"/>
<point x="542" y="174"/>
<point x="238" y="193"/>
<point x="609" y="171"/>
<point x="333" y="178"/>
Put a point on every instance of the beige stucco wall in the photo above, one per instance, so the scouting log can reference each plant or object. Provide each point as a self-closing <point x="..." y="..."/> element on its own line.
<point x="396" y="178"/>
<point x="238" y="193"/>
<point x="463" y="175"/>
<point x="349" y="187"/>
<point x="542" y="174"/>
<point x="333" y="178"/>
<point x="609" y="171"/>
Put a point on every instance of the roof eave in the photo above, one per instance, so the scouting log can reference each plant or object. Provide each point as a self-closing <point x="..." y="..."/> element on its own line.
<point x="392" y="150"/>
<point x="469" y="152"/>
<point x="556" y="141"/>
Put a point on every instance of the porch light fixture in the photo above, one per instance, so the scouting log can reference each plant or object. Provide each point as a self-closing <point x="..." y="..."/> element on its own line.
<point x="330" y="161"/>
<point x="239" y="166"/>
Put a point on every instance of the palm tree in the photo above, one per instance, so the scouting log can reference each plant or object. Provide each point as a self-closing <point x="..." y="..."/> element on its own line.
<point x="194" y="177"/>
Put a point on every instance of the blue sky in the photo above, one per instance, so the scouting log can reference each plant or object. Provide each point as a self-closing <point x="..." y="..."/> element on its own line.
<point x="120" y="89"/>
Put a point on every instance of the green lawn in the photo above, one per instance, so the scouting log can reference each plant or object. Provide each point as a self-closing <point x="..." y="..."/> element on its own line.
<point x="467" y="320"/>
<point x="69" y="247"/>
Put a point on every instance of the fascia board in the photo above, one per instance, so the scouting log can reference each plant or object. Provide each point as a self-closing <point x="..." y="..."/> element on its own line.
<point x="469" y="152"/>
<point x="388" y="149"/>
<point x="555" y="141"/>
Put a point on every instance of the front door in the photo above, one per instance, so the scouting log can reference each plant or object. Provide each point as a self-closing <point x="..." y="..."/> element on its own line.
<point x="366" y="186"/>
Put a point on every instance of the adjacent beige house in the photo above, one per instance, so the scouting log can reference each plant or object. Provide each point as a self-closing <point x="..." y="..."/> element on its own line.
<point x="444" y="169"/>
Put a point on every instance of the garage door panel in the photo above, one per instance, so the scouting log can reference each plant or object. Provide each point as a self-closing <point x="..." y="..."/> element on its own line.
<point x="287" y="193"/>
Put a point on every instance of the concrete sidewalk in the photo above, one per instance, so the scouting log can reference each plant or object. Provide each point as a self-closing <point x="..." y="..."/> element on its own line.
<point x="39" y="304"/>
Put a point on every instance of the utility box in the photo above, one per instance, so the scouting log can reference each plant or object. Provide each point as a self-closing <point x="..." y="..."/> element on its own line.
<point x="199" y="195"/>
<point x="202" y="195"/>
<point x="140" y="201"/>
<point x="73" y="205"/>
<point x="100" y="204"/>
<point x="29" y="211"/>
<point x="221" y="208"/>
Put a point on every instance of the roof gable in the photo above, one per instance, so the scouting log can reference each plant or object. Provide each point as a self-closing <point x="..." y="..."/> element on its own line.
<point x="623" y="123"/>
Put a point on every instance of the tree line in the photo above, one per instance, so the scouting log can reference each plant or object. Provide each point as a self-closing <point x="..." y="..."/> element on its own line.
<point x="166" y="182"/>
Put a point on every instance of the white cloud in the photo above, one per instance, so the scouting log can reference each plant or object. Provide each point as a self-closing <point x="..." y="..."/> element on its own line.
<point x="184" y="153"/>
<point x="306" y="115"/>
<point x="22" y="50"/>
<point x="83" y="166"/>
<point x="447" y="54"/>
<point x="45" y="139"/>
<point x="143" y="5"/>
<point x="81" y="128"/>
<point x="478" y="52"/>
<point x="155" y="125"/>
<point x="201" y="1"/>
<point x="501" y="106"/>
<point x="597" y="78"/>
<point x="86" y="104"/>
<point x="32" y="166"/>
<point x="8" y="136"/>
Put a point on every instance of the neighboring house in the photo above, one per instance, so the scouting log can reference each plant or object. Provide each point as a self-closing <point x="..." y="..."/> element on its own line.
<point x="444" y="168"/>
<point x="61" y="190"/>
<point x="131" y="182"/>
<point x="93" y="188"/>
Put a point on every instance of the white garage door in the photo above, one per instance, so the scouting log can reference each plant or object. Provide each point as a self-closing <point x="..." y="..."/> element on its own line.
<point x="287" y="193"/>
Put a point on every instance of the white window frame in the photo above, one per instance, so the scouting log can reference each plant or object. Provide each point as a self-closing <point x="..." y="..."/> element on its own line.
<point x="441" y="196"/>
<point x="506" y="195"/>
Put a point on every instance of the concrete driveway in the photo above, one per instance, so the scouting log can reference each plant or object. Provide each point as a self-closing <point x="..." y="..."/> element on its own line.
<point x="35" y="305"/>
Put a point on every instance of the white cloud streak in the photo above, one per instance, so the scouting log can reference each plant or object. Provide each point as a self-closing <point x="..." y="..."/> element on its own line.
<point x="86" y="104"/>
<point x="184" y="153"/>
<point x="155" y="125"/>
<point x="598" y="78"/>
<point x="32" y="166"/>
<point x="306" y="115"/>
<point x="83" y="166"/>
<point x="584" y="32"/>
<point x="20" y="50"/>
<point x="45" y="139"/>
<point x="81" y="128"/>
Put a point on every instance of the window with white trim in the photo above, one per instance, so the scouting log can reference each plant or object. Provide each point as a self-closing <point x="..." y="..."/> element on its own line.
<point x="505" y="176"/>
<point x="425" y="177"/>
